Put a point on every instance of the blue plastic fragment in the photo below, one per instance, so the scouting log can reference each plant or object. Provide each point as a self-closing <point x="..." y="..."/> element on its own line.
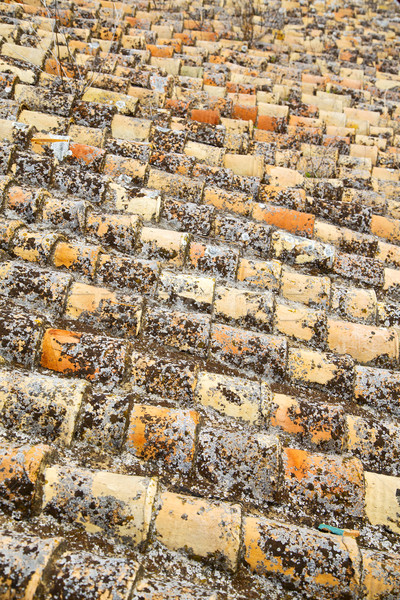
<point x="331" y="529"/>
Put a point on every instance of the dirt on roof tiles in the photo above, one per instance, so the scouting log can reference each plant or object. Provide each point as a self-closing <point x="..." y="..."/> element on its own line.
<point x="199" y="300"/>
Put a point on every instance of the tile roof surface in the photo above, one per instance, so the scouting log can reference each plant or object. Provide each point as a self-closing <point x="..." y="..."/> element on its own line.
<point x="199" y="300"/>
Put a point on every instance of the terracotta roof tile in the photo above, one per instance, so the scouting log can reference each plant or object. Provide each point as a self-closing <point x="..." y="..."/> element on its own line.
<point x="199" y="281"/>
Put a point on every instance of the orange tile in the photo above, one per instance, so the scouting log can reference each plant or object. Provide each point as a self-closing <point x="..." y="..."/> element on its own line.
<point x="93" y="357"/>
<point x="87" y="155"/>
<point x="22" y="201"/>
<point x="163" y="436"/>
<point x="217" y="59"/>
<point x="20" y="468"/>
<point x="244" y="113"/>
<point x="324" y="485"/>
<point x="205" y="116"/>
<point x="322" y="425"/>
<point x="205" y="36"/>
<point x="78" y="258"/>
<point x="297" y="121"/>
<point x="320" y="565"/>
<point x="285" y="218"/>
<point x="268" y="123"/>
<point x="53" y="67"/>
<point x="185" y="37"/>
<point x="160" y="51"/>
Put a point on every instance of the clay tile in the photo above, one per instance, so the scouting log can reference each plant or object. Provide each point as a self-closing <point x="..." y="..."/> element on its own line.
<point x="188" y="332"/>
<point x="213" y="260"/>
<point x="315" y="424"/>
<point x="381" y="574"/>
<point x="163" y="244"/>
<point x="127" y="514"/>
<point x="36" y="286"/>
<point x="239" y="466"/>
<point x="264" y="354"/>
<point x="76" y="258"/>
<point x="304" y="559"/>
<point x="53" y="404"/>
<point x="87" y="155"/>
<point x="112" y="311"/>
<point x="20" y="336"/>
<point x="96" y="358"/>
<point x="86" y="572"/>
<point x="205" y="116"/>
<point x="244" y="113"/>
<point x="174" y="378"/>
<point x="118" y="231"/>
<point x="163" y="437"/>
<point x="7" y="231"/>
<point x="363" y="342"/>
<point x="126" y="272"/>
<point x="322" y="486"/>
<point x="28" y="558"/>
<point x="296" y="222"/>
<point x="378" y="388"/>
<point x="20" y="469"/>
<point x="211" y="528"/>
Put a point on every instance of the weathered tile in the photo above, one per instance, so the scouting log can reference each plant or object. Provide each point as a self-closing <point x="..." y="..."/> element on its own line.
<point x="101" y="501"/>
<point x="187" y="332"/>
<point x="323" y="486"/>
<point x="318" y="425"/>
<point x="239" y="467"/>
<point x="364" y="343"/>
<point x="20" y="334"/>
<point x="92" y="357"/>
<point x="378" y="388"/>
<point x="232" y="396"/>
<point x="330" y="372"/>
<point x="382" y="500"/>
<point x="212" y="529"/>
<point x="41" y="405"/>
<point x="27" y="557"/>
<point x="136" y="274"/>
<point x="20" y="467"/>
<point x="262" y="353"/>
<point x="307" y="289"/>
<point x="163" y="437"/>
<point x="313" y="562"/>
<point x="87" y="573"/>
<point x="376" y="444"/>
<point x="41" y="288"/>
<point x="185" y="289"/>
<point x="172" y="377"/>
<point x="243" y="307"/>
<point x="381" y="574"/>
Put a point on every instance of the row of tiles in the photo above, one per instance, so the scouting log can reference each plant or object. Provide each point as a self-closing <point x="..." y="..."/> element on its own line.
<point x="131" y="507"/>
<point x="124" y="232"/>
<point x="88" y="355"/>
<point x="131" y="34"/>
<point x="365" y="343"/>
<point x="126" y="315"/>
<point x="188" y="332"/>
<point x="46" y="568"/>
<point x="196" y="139"/>
<point x="169" y="440"/>
<point x="377" y="133"/>
<point x="372" y="253"/>
<point x="231" y="128"/>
